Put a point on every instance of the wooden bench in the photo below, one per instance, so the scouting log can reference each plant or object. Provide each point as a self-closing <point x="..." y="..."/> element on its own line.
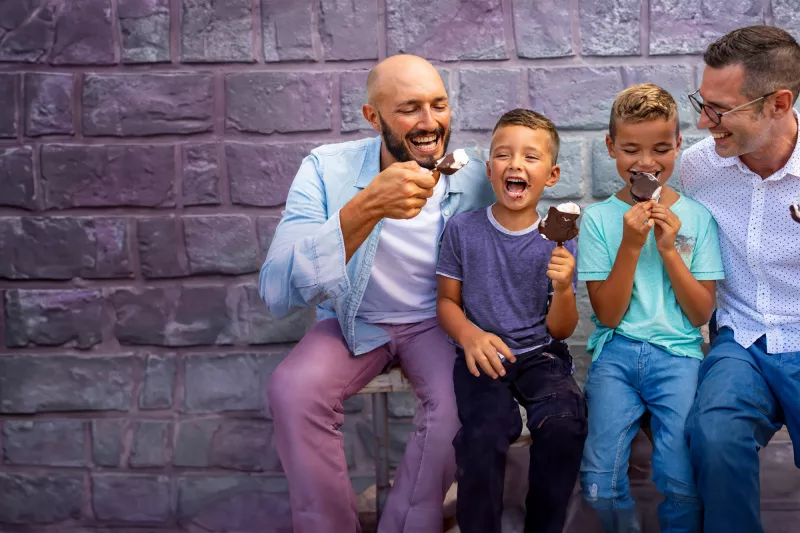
<point x="395" y="380"/>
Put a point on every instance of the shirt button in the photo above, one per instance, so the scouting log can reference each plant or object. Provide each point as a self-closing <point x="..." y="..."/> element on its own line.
<point x="447" y="212"/>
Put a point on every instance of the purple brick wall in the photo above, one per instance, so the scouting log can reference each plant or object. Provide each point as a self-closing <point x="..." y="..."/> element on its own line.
<point x="146" y="147"/>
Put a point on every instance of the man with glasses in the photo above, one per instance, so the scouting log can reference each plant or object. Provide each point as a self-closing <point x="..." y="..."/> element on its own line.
<point x="747" y="174"/>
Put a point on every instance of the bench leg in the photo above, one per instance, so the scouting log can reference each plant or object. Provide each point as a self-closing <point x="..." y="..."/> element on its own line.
<point x="380" y="426"/>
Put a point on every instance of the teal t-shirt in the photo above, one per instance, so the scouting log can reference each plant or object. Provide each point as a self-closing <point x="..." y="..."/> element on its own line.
<point x="653" y="315"/>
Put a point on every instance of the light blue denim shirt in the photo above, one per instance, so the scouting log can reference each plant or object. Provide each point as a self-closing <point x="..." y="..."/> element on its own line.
<point x="305" y="264"/>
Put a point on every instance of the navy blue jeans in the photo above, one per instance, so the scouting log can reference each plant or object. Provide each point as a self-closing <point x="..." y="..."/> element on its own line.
<point x="743" y="398"/>
<point x="541" y="381"/>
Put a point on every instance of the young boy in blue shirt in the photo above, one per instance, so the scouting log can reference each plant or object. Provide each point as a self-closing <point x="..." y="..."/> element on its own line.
<point x="650" y="269"/>
<point x="506" y="297"/>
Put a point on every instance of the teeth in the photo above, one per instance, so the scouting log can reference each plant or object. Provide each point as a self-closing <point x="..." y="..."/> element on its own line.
<point x="719" y="135"/>
<point x="426" y="139"/>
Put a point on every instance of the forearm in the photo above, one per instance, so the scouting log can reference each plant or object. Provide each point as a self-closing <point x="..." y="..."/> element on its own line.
<point x="562" y="318"/>
<point x="695" y="301"/>
<point x="611" y="301"/>
<point x="453" y="320"/>
<point x="358" y="218"/>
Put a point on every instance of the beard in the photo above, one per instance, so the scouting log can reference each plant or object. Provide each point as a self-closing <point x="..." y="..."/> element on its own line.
<point x="395" y="145"/>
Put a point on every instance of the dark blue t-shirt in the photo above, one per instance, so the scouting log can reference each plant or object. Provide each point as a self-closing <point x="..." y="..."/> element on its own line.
<point x="504" y="285"/>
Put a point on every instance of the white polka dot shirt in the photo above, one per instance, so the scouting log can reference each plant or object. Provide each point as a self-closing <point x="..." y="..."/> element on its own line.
<point x="760" y="243"/>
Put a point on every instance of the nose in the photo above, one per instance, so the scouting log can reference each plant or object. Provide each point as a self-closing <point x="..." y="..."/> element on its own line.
<point x="516" y="161"/>
<point x="704" y="122"/>
<point x="426" y="120"/>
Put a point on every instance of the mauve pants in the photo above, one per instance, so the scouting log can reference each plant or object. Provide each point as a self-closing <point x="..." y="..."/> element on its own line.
<point x="306" y="392"/>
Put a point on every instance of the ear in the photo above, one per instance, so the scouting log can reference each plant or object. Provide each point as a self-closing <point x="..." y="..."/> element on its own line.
<point x="782" y="103"/>
<point x="488" y="171"/>
<point x="371" y="115"/>
<point x="610" y="147"/>
<point x="555" y="175"/>
<point x="678" y="146"/>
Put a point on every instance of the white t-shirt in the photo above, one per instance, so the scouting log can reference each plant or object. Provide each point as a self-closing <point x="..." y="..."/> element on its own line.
<point x="402" y="283"/>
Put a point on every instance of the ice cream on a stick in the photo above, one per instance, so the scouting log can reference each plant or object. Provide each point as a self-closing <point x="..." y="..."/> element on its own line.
<point x="644" y="187"/>
<point x="451" y="163"/>
<point x="560" y="223"/>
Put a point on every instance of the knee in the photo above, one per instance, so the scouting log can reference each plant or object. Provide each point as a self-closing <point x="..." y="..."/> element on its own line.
<point x="603" y="486"/>
<point x="712" y="435"/>
<point x="286" y="399"/>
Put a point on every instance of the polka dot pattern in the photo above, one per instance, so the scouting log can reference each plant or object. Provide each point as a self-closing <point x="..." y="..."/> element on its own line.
<point x="760" y="243"/>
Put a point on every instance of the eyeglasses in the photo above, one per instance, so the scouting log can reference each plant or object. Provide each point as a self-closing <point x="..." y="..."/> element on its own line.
<point x="714" y="115"/>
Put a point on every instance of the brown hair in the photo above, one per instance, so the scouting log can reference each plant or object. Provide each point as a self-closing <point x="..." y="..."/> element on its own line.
<point x="535" y="121"/>
<point x="770" y="58"/>
<point x="643" y="102"/>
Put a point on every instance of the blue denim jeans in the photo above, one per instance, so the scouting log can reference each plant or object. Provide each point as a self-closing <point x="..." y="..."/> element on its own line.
<point x="629" y="378"/>
<point x="744" y="397"/>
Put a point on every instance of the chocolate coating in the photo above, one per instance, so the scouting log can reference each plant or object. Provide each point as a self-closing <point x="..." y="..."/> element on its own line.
<point x="795" y="211"/>
<point x="448" y="165"/>
<point x="643" y="186"/>
<point x="558" y="226"/>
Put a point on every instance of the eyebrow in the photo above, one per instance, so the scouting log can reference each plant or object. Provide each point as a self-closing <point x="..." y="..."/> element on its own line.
<point x="418" y="102"/>
<point x="715" y="104"/>
<point x="524" y="148"/>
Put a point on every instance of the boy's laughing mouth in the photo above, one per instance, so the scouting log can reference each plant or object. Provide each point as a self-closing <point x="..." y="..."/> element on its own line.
<point x="515" y="186"/>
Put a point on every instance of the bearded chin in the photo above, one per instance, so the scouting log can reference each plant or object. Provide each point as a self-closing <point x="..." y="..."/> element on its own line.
<point x="396" y="147"/>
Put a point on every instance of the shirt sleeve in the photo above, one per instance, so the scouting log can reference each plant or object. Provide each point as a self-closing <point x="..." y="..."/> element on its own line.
<point x="450" y="253"/>
<point x="707" y="258"/>
<point x="594" y="262"/>
<point x="305" y="264"/>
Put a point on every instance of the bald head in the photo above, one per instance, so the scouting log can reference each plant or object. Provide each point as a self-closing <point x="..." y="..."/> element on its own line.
<point x="401" y="73"/>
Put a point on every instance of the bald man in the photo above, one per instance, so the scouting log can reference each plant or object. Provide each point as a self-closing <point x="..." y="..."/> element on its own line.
<point x="359" y="240"/>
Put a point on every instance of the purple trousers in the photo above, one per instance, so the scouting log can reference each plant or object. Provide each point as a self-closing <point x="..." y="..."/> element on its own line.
<point x="306" y="392"/>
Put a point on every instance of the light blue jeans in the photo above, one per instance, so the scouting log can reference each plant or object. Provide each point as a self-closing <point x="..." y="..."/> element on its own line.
<point x="628" y="378"/>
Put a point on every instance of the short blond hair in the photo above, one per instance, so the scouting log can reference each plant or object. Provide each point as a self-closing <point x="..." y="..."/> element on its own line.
<point x="641" y="103"/>
<point x="532" y="120"/>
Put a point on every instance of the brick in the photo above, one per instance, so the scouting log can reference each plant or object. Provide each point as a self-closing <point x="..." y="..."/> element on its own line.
<point x="484" y="95"/>
<point x="107" y="442"/>
<point x="230" y="382"/>
<point x="688" y="27"/>
<point x="259" y="327"/>
<point x="16" y="177"/>
<point x="64" y="248"/>
<point x="234" y="444"/>
<point x="150" y="438"/>
<point x="402" y="405"/>
<point x="159" y="382"/>
<point x="261" y="174"/>
<point x="269" y="102"/>
<point x="127" y="498"/>
<point x="44" y="442"/>
<point x="28" y="29"/>
<point x="173" y="316"/>
<point x="449" y="30"/>
<point x="677" y="79"/>
<point x="570" y="184"/>
<point x="83" y="34"/>
<point x="336" y="22"/>
<point x="144" y="27"/>
<point x="8" y="93"/>
<point x="40" y="498"/>
<point x="222" y="497"/>
<point x="103" y="176"/>
<point x="353" y="96"/>
<point x="542" y="30"/>
<point x="201" y="175"/>
<point x="216" y="31"/>
<point x="605" y="178"/>
<point x="147" y="104"/>
<point x="221" y="244"/>
<point x="159" y="250"/>
<point x="53" y="318"/>
<point x="40" y="383"/>
<point x="585" y="326"/>
<point x="48" y="104"/>
<point x="610" y="27"/>
<point x="286" y="30"/>
<point x="575" y="97"/>
<point x="786" y="15"/>
<point x="266" y="227"/>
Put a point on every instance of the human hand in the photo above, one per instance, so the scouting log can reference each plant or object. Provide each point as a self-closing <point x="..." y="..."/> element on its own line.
<point x="636" y="224"/>
<point x="667" y="225"/>
<point x="561" y="268"/>
<point x="482" y="349"/>
<point x="401" y="190"/>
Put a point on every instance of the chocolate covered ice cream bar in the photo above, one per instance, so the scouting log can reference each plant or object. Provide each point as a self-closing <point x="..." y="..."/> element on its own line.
<point x="452" y="162"/>
<point x="644" y="187"/>
<point x="560" y="223"/>
<point x="795" y="211"/>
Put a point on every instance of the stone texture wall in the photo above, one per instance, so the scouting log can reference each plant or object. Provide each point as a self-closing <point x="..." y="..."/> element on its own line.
<point x="146" y="147"/>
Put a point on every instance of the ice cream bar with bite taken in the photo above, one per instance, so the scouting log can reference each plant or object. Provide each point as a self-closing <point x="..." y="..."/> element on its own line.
<point x="560" y="223"/>
<point x="795" y="211"/>
<point x="452" y="162"/>
<point x="644" y="187"/>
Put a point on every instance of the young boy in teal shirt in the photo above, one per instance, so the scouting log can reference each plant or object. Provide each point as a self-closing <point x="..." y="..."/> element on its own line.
<point x="650" y="269"/>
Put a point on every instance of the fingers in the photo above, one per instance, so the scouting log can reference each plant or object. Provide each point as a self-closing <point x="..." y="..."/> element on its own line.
<point x="473" y="369"/>
<point x="561" y="253"/>
<point x="503" y="349"/>
<point x="495" y="362"/>
<point x="486" y="365"/>
<point x="422" y="179"/>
